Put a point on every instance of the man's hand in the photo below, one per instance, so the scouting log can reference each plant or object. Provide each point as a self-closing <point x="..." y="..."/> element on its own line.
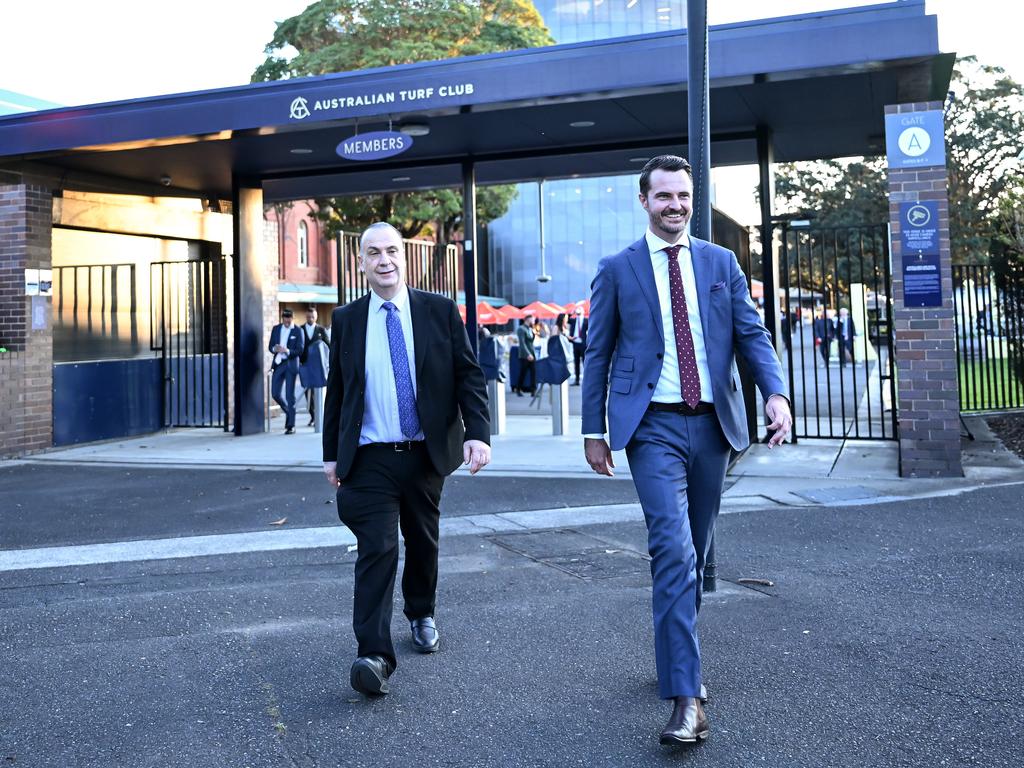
<point x="531" y="358"/>
<point x="331" y="470"/>
<point x="599" y="456"/>
<point x="779" y="417"/>
<point x="477" y="454"/>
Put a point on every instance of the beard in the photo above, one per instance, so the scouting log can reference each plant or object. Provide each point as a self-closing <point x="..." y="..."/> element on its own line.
<point x="658" y="221"/>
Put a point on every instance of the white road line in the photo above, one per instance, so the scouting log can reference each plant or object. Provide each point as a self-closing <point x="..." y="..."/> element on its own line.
<point x="298" y="538"/>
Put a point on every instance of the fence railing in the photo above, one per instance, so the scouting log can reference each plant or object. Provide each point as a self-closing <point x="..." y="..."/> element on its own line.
<point x="989" y="313"/>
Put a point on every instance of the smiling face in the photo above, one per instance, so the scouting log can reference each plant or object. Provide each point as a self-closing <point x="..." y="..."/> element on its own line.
<point x="669" y="203"/>
<point x="382" y="259"/>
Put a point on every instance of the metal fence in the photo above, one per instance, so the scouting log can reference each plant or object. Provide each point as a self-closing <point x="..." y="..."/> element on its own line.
<point x="426" y="268"/>
<point x="842" y="383"/>
<point x="989" y="313"/>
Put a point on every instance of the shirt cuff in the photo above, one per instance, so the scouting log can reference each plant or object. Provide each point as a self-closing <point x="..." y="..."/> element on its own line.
<point x="595" y="435"/>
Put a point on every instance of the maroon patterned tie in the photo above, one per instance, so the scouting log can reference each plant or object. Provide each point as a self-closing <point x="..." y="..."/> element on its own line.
<point x="689" y="378"/>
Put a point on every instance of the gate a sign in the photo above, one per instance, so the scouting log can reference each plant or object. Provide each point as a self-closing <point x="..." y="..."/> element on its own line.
<point x="915" y="139"/>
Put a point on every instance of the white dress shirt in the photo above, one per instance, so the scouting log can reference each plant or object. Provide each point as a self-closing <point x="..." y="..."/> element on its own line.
<point x="309" y="328"/>
<point x="668" y="389"/>
<point x="282" y="339"/>
<point x="381" y="422"/>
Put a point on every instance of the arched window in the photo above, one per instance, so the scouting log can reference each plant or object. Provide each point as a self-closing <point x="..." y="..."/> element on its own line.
<point x="303" y="244"/>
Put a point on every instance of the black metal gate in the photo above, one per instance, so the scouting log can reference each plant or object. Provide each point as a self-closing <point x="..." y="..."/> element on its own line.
<point x="989" y="314"/>
<point x="835" y="324"/>
<point x="188" y="327"/>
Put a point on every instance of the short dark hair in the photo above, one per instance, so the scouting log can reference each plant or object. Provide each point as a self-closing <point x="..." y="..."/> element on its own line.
<point x="286" y="313"/>
<point x="663" y="163"/>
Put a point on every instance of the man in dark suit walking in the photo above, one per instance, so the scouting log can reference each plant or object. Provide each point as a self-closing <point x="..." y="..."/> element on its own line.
<point x="406" y="405"/>
<point x="667" y="316"/>
<point x="578" y="327"/>
<point x="845" y="332"/>
<point x="527" y="358"/>
<point x="286" y="345"/>
<point x="312" y="332"/>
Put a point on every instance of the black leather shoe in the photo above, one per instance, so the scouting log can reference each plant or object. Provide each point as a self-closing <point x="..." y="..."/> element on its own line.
<point x="424" y="635"/>
<point x="688" y="723"/>
<point x="369" y="675"/>
<point x="289" y="430"/>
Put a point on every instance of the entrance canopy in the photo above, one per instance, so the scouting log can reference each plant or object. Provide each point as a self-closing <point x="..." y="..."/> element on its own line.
<point x="816" y="83"/>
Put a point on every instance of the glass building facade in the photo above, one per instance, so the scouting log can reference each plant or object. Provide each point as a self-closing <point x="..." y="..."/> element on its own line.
<point x="584" y="219"/>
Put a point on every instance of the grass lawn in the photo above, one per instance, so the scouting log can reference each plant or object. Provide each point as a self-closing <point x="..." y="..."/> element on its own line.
<point x="989" y="385"/>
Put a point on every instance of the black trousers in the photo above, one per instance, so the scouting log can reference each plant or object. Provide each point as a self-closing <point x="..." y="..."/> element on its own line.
<point x="525" y="365"/>
<point x="385" y="490"/>
<point x="578" y="351"/>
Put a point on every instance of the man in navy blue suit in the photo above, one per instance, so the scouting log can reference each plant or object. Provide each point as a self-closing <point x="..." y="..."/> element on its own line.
<point x="286" y="344"/>
<point x="667" y="316"/>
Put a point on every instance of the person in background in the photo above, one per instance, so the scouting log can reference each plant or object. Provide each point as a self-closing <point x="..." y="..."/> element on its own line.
<point x="579" y="324"/>
<point x="286" y="346"/>
<point x="313" y="370"/>
<point x="527" y="358"/>
<point x="822" y="333"/>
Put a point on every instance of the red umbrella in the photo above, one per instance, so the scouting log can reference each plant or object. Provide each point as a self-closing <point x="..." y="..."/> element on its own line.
<point x="572" y="305"/>
<point x="543" y="311"/>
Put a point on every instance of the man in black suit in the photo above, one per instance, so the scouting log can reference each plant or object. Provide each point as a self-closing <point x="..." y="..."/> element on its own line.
<point x="844" y="331"/>
<point x="286" y="346"/>
<point x="312" y="332"/>
<point x="406" y="405"/>
<point x="579" y="324"/>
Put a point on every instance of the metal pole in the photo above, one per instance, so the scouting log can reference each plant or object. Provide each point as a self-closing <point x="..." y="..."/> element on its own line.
<point x="697" y="97"/>
<point x="469" y="249"/>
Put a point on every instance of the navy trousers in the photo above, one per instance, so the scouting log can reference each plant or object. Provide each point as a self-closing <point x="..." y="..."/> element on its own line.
<point x="284" y="377"/>
<point x="678" y="465"/>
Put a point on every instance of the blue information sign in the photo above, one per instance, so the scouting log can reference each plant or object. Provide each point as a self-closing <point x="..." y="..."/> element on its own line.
<point x="375" y="145"/>
<point x="915" y="139"/>
<point x="919" y="227"/>
<point x="922" y="280"/>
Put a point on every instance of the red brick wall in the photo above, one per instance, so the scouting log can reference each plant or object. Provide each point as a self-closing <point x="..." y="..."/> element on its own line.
<point x="26" y="370"/>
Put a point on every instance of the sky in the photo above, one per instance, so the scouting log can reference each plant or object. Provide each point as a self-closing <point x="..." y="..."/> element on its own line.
<point x="107" y="50"/>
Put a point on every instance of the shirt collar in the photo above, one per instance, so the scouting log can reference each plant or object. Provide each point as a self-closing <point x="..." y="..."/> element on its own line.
<point x="655" y="243"/>
<point x="401" y="300"/>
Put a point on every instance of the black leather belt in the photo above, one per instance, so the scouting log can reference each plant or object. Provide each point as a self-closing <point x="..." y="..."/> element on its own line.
<point x="699" y="410"/>
<point x="402" y="447"/>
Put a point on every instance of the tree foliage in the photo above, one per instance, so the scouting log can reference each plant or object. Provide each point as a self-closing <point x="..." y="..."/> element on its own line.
<point x="346" y="35"/>
<point x="984" y="136"/>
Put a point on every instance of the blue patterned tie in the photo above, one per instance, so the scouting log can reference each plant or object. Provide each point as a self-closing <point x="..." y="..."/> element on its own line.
<point x="407" y="415"/>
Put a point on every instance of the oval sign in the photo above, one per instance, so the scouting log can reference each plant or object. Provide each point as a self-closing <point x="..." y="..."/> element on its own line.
<point x="375" y="145"/>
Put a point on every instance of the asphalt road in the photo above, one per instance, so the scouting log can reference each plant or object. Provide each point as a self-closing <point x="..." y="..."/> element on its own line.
<point x="891" y="637"/>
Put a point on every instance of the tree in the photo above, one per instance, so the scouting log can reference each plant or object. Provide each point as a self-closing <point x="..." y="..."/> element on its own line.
<point x="984" y="130"/>
<point x="346" y="35"/>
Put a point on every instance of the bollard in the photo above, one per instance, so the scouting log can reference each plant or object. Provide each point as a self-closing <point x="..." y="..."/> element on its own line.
<point x="267" y="399"/>
<point x="319" y="394"/>
<point x="496" y="405"/>
<point x="559" y="407"/>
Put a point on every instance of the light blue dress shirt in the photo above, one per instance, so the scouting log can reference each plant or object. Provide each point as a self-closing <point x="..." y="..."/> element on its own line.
<point x="381" y="422"/>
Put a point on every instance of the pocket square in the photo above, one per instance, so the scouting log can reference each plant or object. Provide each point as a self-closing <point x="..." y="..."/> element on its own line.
<point x="718" y="286"/>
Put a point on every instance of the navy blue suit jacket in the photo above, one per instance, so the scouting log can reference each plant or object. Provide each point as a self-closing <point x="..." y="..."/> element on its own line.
<point x="296" y="343"/>
<point x="626" y="341"/>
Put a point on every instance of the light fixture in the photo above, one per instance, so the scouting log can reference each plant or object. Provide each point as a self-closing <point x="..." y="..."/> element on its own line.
<point x="631" y="3"/>
<point x="664" y="10"/>
<point x="582" y="124"/>
<point x="414" y="128"/>
<point x="401" y="178"/>
<point x="301" y="151"/>
<point x="639" y="159"/>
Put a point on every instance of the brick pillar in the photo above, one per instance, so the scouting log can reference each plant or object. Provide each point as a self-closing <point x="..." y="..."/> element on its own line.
<point x="925" y="340"/>
<point x="271" y="307"/>
<point x="26" y="369"/>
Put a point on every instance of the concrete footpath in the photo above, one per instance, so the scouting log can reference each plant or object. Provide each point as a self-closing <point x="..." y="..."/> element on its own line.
<point x="810" y="473"/>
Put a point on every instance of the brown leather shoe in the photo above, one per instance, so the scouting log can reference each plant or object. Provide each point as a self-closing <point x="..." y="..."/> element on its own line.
<point x="687" y="724"/>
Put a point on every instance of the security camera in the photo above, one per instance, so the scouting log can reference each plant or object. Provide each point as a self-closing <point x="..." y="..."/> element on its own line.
<point x="165" y="180"/>
<point x="543" y="278"/>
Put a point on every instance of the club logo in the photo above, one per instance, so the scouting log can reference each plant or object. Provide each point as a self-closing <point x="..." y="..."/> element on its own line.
<point x="299" y="109"/>
<point x="914" y="141"/>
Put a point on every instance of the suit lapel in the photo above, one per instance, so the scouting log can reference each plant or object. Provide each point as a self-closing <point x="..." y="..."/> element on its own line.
<point x="420" y="330"/>
<point x="700" y="257"/>
<point x="356" y="346"/>
<point x="640" y="260"/>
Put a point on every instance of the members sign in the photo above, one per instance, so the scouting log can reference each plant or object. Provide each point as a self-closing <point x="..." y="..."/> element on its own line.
<point x="376" y="145"/>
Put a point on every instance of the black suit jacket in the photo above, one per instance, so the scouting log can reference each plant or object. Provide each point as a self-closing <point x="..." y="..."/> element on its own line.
<point x="451" y="393"/>
<point x="319" y="334"/>
<point x="584" y="327"/>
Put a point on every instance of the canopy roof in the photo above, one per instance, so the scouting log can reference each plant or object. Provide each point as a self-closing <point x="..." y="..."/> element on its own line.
<point x="818" y="83"/>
